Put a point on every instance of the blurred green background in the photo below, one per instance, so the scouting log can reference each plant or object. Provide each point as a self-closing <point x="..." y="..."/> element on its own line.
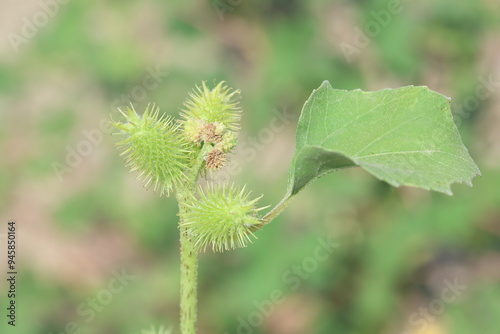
<point x="83" y="218"/>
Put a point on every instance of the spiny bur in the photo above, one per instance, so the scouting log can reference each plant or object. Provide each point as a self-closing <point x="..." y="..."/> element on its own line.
<point x="155" y="148"/>
<point x="211" y="117"/>
<point x="221" y="217"/>
<point x="205" y="106"/>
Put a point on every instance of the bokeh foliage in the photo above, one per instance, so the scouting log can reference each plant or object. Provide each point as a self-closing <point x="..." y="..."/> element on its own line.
<point x="396" y="246"/>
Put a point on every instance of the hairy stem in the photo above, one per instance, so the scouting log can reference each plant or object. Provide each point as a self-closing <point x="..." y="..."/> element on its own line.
<point x="189" y="278"/>
<point x="189" y="255"/>
<point x="275" y="212"/>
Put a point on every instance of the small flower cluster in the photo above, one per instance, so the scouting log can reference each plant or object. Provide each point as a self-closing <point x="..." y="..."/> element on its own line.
<point x="211" y="117"/>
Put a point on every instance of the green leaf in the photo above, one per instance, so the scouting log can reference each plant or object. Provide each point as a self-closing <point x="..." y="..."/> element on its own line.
<point x="404" y="136"/>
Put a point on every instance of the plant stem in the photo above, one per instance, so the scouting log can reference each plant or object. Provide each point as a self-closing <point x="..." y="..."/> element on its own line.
<point x="189" y="278"/>
<point x="189" y="255"/>
<point x="279" y="208"/>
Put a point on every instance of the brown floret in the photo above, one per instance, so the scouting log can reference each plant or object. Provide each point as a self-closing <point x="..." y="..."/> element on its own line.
<point x="209" y="135"/>
<point x="215" y="159"/>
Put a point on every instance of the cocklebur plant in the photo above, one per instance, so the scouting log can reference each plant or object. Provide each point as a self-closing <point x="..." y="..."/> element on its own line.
<point x="403" y="136"/>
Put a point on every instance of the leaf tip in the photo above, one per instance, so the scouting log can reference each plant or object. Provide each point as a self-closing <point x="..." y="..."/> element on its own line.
<point x="448" y="192"/>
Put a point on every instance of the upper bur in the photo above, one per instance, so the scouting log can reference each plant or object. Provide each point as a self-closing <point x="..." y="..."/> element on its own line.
<point x="155" y="148"/>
